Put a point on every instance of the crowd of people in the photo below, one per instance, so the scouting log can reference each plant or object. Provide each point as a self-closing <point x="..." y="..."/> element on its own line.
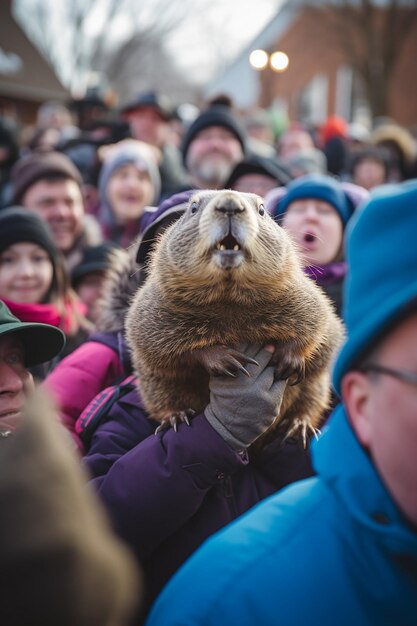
<point x="332" y="537"/>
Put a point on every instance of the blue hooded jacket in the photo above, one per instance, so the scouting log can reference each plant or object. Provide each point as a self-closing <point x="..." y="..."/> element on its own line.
<point x="329" y="550"/>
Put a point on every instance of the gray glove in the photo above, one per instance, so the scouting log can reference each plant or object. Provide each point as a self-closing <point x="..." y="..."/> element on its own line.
<point x="242" y="408"/>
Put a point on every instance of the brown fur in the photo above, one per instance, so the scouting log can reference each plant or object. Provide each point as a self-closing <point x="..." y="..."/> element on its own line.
<point x="190" y="303"/>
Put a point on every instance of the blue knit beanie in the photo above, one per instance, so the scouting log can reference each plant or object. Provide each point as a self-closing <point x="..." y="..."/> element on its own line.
<point x="318" y="187"/>
<point x="129" y="154"/>
<point x="382" y="275"/>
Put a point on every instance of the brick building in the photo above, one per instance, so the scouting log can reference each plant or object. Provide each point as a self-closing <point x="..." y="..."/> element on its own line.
<point x="319" y="80"/>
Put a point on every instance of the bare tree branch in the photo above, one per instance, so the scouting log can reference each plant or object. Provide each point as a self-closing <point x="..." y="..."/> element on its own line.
<point x="372" y="37"/>
<point x="73" y="50"/>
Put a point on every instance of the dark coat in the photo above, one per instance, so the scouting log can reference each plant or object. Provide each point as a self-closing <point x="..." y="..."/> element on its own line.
<point x="335" y="292"/>
<point x="167" y="493"/>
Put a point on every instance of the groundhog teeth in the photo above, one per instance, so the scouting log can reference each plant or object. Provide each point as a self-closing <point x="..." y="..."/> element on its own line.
<point x="221" y="246"/>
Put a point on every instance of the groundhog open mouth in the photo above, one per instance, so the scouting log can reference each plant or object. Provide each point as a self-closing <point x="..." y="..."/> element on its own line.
<point x="228" y="243"/>
<point x="228" y="253"/>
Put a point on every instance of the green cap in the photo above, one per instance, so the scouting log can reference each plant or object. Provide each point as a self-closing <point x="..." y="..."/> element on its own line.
<point x="41" y="342"/>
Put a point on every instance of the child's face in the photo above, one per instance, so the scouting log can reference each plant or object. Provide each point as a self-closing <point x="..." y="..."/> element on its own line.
<point x="89" y="291"/>
<point x="129" y="190"/>
<point x="316" y="228"/>
<point x="26" y="273"/>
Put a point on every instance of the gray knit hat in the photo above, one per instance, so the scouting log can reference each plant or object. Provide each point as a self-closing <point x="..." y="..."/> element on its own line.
<point x="129" y="155"/>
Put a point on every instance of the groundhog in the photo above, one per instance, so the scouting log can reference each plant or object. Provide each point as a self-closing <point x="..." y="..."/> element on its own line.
<point x="223" y="275"/>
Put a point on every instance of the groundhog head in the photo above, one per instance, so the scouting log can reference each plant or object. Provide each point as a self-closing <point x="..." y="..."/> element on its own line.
<point x="224" y="236"/>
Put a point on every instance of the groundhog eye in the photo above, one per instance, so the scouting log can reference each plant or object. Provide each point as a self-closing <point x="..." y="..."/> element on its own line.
<point x="261" y="209"/>
<point x="194" y="207"/>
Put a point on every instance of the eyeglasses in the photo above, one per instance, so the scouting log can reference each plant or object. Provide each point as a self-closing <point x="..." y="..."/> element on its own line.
<point x="405" y="377"/>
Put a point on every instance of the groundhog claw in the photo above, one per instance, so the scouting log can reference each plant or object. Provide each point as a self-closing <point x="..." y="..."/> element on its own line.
<point x="223" y="361"/>
<point x="303" y="427"/>
<point x="173" y="420"/>
<point x="244" y="370"/>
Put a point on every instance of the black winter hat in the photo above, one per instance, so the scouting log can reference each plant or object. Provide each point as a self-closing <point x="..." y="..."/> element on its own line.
<point x="216" y="115"/>
<point x="18" y="225"/>
<point x="38" y="165"/>
<point x="151" y="99"/>
<point x="94" y="259"/>
<point x="256" y="164"/>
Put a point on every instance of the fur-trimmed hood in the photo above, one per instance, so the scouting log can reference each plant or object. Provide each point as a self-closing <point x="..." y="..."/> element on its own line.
<point x="398" y="135"/>
<point x="121" y="283"/>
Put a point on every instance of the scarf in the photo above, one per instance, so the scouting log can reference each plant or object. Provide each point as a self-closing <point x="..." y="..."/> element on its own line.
<point x="46" y="313"/>
<point x="37" y="313"/>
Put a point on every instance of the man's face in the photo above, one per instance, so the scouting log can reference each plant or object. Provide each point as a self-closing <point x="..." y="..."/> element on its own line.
<point x="148" y="125"/>
<point x="293" y="142"/>
<point x="383" y="411"/>
<point x="15" y="381"/>
<point x="212" y="155"/>
<point x="59" y="203"/>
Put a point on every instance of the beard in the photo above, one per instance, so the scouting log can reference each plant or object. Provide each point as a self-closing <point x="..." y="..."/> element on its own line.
<point x="213" y="171"/>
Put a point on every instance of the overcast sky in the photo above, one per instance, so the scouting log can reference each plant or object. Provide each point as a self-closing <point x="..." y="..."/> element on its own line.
<point x="218" y="32"/>
<point x="209" y="36"/>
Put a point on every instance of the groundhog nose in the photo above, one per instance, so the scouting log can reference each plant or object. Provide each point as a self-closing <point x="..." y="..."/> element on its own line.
<point x="229" y="206"/>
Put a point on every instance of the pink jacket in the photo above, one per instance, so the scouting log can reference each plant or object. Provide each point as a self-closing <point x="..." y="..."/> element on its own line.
<point x="78" y="378"/>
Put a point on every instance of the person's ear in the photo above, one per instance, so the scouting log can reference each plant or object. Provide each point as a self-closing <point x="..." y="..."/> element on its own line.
<point x="356" y="395"/>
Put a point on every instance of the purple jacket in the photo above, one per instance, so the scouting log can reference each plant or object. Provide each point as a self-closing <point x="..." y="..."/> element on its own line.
<point x="167" y="493"/>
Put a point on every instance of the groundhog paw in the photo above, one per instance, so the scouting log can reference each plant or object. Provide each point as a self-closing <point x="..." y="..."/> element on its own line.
<point x="304" y="428"/>
<point x="288" y="366"/>
<point x="224" y="361"/>
<point x="174" y="419"/>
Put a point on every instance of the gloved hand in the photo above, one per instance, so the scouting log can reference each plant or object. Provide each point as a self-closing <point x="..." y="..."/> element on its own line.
<point x="242" y="408"/>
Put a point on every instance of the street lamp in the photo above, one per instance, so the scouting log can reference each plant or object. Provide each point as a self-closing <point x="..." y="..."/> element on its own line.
<point x="278" y="61"/>
<point x="258" y="59"/>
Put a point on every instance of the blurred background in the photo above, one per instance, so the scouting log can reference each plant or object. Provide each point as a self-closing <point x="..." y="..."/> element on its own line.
<point x="350" y="58"/>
